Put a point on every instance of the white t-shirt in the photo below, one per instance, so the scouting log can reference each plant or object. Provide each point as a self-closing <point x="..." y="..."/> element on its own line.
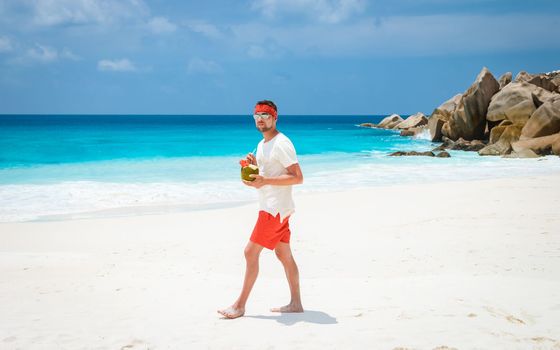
<point x="273" y="157"/>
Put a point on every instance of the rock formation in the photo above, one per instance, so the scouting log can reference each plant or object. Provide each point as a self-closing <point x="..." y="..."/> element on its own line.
<point x="539" y="145"/>
<point x="518" y="118"/>
<point x="516" y="102"/>
<point x="545" y="120"/>
<point x="505" y="79"/>
<point x="390" y="122"/>
<point x="413" y="121"/>
<point x="525" y="108"/>
<point x="441" y="115"/>
<point x="469" y="119"/>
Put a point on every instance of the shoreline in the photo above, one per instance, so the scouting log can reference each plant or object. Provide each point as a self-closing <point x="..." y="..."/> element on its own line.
<point x="162" y="209"/>
<point x="175" y="167"/>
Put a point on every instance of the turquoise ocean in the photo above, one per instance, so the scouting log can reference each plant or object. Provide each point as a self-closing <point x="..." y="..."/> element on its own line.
<point x="77" y="166"/>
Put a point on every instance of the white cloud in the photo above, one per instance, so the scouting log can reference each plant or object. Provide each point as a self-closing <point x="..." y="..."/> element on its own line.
<point x="402" y="36"/>
<point x="118" y="65"/>
<point x="67" y="54"/>
<point x="42" y="54"/>
<point x="5" y="44"/>
<point x="161" y="25"/>
<point x="198" y="65"/>
<point x="327" y="11"/>
<point x="60" y="12"/>
<point x="267" y="49"/>
<point x="204" y="28"/>
<point x="45" y="54"/>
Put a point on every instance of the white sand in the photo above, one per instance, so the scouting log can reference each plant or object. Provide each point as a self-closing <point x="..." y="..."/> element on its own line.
<point x="467" y="265"/>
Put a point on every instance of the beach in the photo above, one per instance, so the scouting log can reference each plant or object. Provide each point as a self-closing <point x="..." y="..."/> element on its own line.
<point x="419" y="142"/>
<point x="456" y="264"/>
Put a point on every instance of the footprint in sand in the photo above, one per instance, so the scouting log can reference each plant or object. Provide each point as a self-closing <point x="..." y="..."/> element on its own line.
<point x="555" y="344"/>
<point x="135" y="344"/>
<point x="513" y="319"/>
<point x="505" y="315"/>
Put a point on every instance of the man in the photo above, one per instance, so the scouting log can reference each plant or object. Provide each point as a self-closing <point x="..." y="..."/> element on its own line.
<point x="278" y="171"/>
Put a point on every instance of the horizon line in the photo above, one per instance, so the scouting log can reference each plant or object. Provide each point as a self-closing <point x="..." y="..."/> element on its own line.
<point x="197" y="114"/>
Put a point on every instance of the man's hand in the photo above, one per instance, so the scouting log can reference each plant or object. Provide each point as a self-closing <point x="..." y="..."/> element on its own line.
<point x="257" y="183"/>
<point x="251" y="159"/>
<point x="293" y="177"/>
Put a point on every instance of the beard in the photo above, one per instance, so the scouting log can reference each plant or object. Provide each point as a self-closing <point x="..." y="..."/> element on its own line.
<point x="264" y="128"/>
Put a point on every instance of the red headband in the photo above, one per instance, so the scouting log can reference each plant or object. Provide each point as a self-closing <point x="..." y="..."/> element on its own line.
<point x="262" y="108"/>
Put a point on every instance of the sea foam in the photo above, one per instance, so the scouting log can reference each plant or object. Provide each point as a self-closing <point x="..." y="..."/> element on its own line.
<point x="323" y="173"/>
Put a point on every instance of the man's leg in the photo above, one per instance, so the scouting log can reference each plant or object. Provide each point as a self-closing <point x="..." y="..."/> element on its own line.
<point x="252" y="253"/>
<point x="284" y="254"/>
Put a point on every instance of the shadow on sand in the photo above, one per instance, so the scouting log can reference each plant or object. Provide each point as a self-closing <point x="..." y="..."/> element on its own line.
<point x="310" y="316"/>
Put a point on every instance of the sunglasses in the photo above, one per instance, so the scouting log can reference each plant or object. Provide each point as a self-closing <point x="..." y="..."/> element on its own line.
<point x="263" y="116"/>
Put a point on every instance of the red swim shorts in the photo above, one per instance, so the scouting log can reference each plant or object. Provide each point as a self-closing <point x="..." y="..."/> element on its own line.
<point x="269" y="230"/>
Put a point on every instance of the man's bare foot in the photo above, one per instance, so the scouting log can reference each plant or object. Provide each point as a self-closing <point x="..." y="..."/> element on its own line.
<point x="288" y="308"/>
<point x="232" y="312"/>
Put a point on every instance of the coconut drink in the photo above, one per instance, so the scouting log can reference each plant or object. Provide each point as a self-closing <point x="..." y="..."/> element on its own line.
<point x="247" y="169"/>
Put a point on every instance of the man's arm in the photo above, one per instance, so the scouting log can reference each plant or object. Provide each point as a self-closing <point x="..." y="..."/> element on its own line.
<point x="293" y="177"/>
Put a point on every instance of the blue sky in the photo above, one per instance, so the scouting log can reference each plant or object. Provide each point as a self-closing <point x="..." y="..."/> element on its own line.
<point x="219" y="57"/>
